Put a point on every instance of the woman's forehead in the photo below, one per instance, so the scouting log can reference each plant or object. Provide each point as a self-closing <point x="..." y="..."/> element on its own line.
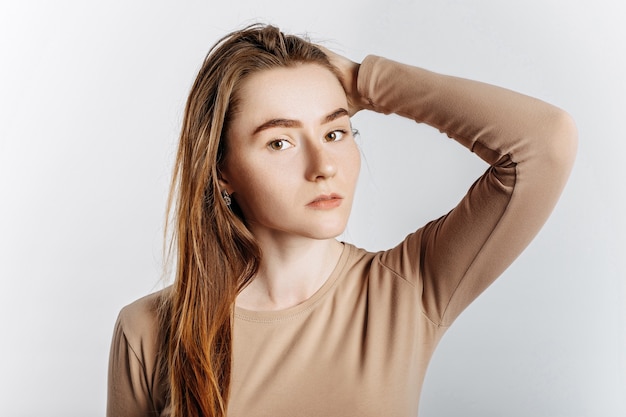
<point x="307" y="93"/>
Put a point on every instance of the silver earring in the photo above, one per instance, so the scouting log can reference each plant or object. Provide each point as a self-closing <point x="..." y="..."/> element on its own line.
<point x="226" y="197"/>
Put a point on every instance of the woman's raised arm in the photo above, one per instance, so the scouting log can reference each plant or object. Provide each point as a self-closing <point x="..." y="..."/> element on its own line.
<point x="530" y="146"/>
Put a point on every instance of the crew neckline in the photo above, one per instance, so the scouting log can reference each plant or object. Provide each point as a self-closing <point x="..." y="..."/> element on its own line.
<point x="294" y="311"/>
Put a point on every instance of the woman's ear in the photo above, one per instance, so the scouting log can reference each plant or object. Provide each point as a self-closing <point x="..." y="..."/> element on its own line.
<point x="223" y="181"/>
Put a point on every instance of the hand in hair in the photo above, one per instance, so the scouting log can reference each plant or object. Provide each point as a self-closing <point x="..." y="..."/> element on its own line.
<point x="349" y="71"/>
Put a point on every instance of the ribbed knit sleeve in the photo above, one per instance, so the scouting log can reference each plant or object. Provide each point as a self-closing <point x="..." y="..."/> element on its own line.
<point x="530" y="146"/>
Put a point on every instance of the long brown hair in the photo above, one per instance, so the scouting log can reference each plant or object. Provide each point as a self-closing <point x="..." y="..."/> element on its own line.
<point x="216" y="255"/>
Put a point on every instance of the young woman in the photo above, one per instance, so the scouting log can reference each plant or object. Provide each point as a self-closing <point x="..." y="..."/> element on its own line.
<point x="269" y="314"/>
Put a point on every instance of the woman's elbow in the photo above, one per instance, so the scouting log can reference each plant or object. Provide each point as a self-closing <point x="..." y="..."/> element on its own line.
<point x="561" y="139"/>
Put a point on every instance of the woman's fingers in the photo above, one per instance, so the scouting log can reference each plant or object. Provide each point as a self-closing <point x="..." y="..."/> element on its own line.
<point x="349" y="71"/>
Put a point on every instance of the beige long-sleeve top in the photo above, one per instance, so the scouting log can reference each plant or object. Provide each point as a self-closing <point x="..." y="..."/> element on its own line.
<point x="361" y="344"/>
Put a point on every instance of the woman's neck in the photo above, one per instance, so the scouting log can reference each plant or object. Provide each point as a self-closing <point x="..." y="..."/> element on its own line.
<point x="290" y="273"/>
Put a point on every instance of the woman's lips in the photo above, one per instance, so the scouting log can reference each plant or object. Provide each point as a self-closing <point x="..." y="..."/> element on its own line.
<point x="326" y="201"/>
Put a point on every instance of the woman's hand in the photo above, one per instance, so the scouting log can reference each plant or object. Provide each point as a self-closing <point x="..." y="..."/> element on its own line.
<point x="349" y="71"/>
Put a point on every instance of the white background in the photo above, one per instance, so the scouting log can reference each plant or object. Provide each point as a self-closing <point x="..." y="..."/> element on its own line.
<point x="91" y="99"/>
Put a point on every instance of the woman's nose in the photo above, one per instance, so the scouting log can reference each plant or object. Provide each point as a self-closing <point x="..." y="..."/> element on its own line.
<point x="320" y="163"/>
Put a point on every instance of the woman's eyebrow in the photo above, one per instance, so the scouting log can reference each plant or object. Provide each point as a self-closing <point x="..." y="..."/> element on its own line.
<point x="340" y="112"/>
<point x="277" y="123"/>
<point x="290" y="123"/>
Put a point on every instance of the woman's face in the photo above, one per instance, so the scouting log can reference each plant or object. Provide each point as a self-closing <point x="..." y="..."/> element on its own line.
<point x="292" y="163"/>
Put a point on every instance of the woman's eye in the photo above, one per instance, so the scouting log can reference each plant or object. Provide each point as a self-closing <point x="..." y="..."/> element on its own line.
<point x="279" y="145"/>
<point x="335" y="135"/>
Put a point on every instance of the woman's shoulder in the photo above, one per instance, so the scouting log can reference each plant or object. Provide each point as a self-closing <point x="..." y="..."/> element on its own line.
<point x="398" y="264"/>
<point x="139" y="320"/>
<point x="134" y="371"/>
<point x="401" y="261"/>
